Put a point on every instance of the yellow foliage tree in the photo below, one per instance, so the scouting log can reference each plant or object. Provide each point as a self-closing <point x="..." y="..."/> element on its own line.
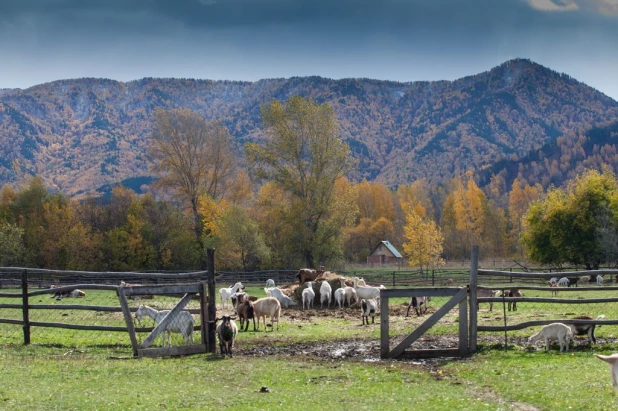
<point x="423" y="242"/>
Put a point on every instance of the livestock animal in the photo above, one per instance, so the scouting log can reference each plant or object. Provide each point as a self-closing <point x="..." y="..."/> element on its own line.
<point x="325" y="294"/>
<point x="612" y="360"/>
<point x="554" y="289"/>
<point x="226" y="333"/>
<point x="270" y="283"/>
<point x="368" y="308"/>
<point x="238" y="298"/>
<point x="563" y="282"/>
<point x="555" y="331"/>
<point x="340" y="297"/>
<point x="350" y="295"/>
<point x="554" y="280"/>
<point x="245" y="313"/>
<point x="366" y="292"/>
<point x="573" y="281"/>
<point x="419" y="304"/>
<point x="582" y="329"/>
<point x="285" y="301"/>
<point x="308" y="295"/>
<point x="308" y="274"/>
<point x="512" y="293"/>
<point x="183" y="323"/>
<point x="136" y="297"/>
<point x="483" y="293"/>
<point x="584" y="280"/>
<point x="75" y="293"/>
<point x="267" y="306"/>
<point x="448" y="282"/>
<point x="599" y="280"/>
<point x="226" y="292"/>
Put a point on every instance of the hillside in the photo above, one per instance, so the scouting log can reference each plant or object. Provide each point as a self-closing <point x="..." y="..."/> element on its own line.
<point x="85" y="133"/>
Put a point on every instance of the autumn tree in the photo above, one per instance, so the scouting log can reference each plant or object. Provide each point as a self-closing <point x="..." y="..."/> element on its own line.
<point x="303" y="154"/>
<point x="567" y="225"/>
<point x="192" y="157"/>
<point x="520" y="197"/>
<point x="12" y="249"/>
<point x="423" y="242"/>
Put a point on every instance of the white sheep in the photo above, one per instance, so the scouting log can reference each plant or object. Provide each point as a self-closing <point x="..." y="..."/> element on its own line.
<point x="553" y="280"/>
<point x="183" y="323"/>
<point x="308" y="295"/>
<point x="226" y="292"/>
<point x="563" y="282"/>
<point x="369" y="307"/>
<point x="584" y="280"/>
<point x="267" y="306"/>
<point x="270" y="283"/>
<point x="599" y="280"/>
<point x="325" y="294"/>
<point x="555" y="331"/>
<point x="340" y="297"/>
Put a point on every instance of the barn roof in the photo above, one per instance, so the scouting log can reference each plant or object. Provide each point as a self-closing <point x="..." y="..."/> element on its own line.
<point x="391" y="248"/>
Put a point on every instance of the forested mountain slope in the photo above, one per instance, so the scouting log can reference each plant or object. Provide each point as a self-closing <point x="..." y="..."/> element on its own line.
<point x="82" y="134"/>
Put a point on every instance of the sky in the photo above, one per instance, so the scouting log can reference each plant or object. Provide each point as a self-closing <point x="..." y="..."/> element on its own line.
<point x="401" y="40"/>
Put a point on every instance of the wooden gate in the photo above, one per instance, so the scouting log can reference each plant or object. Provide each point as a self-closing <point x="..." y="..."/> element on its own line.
<point x="190" y="291"/>
<point x="459" y="297"/>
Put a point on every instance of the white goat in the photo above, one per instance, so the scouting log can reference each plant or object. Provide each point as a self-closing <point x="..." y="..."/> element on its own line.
<point x="599" y="280"/>
<point x="308" y="295"/>
<point x="555" y="331"/>
<point x="350" y="295"/>
<point x="369" y="307"/>
<point x="366" y="293"/>
<point x="285" y="301"/>
<point x="563" y="282"/>
<point x="584" y="280"/>
<point x="612" y="360"/>
<point x="267" y="306"/>
<point x="325" y="294"/>
<point x="226" y="292"/>
<point x="553" y="280"/>
<point x="485" y="292"/>
<point x="183" y="323"/>
<point x="270" y="283"/>
<point x="340" y="297"/>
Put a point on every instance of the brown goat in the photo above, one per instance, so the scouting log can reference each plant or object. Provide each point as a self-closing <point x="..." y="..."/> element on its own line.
<point x="245" y="313"/>
<point x="309" y="274"/>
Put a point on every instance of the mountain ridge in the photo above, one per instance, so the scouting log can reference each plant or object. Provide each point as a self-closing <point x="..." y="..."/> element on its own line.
<point x="82" y="134"/>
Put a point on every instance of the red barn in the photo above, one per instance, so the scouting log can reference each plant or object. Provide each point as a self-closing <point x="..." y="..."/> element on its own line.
<point x="385" y="253"/>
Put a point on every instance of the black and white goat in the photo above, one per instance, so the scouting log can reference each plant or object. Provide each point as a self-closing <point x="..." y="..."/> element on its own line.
<point x="419" y="304"/>
<point x="226" y="333"/>
<point x="583" y="329"/>
<point x="369" y="307"/>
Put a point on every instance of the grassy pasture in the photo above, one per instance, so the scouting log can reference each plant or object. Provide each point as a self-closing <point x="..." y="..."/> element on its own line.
<point x="75" y="369"/>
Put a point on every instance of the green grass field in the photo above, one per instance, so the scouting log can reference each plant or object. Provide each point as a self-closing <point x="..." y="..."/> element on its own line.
<point x="70" y="369"/>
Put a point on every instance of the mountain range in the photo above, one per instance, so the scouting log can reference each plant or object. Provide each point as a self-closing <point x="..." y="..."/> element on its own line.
<point x="522" y="118"/>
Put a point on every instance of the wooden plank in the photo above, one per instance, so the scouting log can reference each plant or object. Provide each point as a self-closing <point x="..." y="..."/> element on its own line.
<point x="172" y="351"/>
<point x="546" y="275"/>
<point x="419" y="354"/>
<point x="521" y="326"/>
<point x="25" y="312"/>
<point x="109" y="274"/>
<point x="546" y="288"/>
<point x="10" y="295"/>
<point x="15" y="306"/>
<point x="203" y="309"/>
<point x="212" y="303"/>
<point x="420" y="292"/>
<point x="384" y="325"/>
<point x="78" y="327"/>
<point x="464" y="347"/>
<point x="180" y="289"/>
<point x="474" y="268"/>
<point x="16" y="322"/>
<point x="165" y="321"/>
<point x="128" y="318"/>
<point x="104" y="308"/>
<point x="427" y="324"/>
<point x="548" y="300"/>
<point x="67" y="288"/>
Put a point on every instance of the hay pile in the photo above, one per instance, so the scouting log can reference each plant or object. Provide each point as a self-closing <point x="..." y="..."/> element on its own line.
<point x="295" y="291"/>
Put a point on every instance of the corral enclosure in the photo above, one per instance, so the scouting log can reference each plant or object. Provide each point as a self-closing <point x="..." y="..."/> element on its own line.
<point x="97" y="318"/>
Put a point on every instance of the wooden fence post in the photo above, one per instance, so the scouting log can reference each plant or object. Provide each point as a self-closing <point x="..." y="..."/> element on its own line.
<point x="25" y="310"/>
<point x="212" y="302"/>
<point x="474" y="269"/>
